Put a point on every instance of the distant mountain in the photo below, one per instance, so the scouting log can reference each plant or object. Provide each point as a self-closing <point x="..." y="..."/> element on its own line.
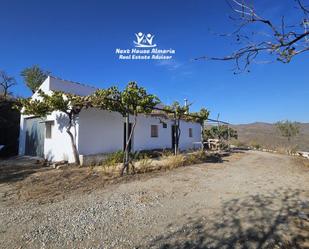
<point x="266" y="135"/>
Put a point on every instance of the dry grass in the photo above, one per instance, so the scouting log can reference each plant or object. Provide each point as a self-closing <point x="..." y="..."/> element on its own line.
<point x="144" y="165"/>
<point x="56" y="184"/>
<point x="173" y="162"/>
<point x="303" y="162"/>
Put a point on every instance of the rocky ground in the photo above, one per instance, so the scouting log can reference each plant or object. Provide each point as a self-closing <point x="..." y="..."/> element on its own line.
<point x="257" y="201"/>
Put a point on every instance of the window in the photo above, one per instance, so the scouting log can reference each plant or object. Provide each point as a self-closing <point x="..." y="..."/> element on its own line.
<point x="154" y="131"/>
<point x="164" y="125"/>
<point x="48" y="129"/>
<point x="190" y="132"/>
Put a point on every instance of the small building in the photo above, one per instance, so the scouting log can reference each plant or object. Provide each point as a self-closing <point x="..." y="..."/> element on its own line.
<point x="96" y="131"/>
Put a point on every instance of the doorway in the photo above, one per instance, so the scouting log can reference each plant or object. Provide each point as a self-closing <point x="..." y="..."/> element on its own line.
<point x="35" y="130"/>
<point x="173" y="129"/>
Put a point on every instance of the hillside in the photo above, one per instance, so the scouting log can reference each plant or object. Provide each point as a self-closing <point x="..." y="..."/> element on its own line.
<point x="266" y="135"/>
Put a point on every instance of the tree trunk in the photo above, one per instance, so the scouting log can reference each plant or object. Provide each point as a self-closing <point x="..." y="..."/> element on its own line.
<point x="73" y="144"/>
<point x="126" y="149"/>
<point x="178" y="134"/>
<point x="175" y="135"/>
<point x="5" y="92"/>
<point x="126" y="160"/>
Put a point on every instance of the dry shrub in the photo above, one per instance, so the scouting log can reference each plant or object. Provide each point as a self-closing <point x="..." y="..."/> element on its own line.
<point x="190" y="159"/>
<point x="255" y="145"/>
<point x="108" y="169"/>
<point x="145" y="165"/>
<point x="195" y="157"/>
<point x="175" y="161"/>
<point x="290" y="150"/>
<point x="304" y="162"/>
<point x="281" y="150"/>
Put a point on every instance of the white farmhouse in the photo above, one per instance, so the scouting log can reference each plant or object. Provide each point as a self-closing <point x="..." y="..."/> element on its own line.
<point x="96" y="131"/>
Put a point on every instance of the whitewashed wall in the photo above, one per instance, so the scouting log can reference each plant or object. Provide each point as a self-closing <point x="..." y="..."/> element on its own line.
<point x="186" y="142"/>
<point x="22" y="136"/>
<point x="58" y="147"/>
<point x="142" y="137"/>
<point x="100" y="132"/>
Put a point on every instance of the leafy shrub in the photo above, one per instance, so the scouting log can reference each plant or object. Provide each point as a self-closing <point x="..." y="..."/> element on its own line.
<point x="256" y="145"/>
<point x="223" y="146"/>
<point x="167" y="152"/>
<point x="114" y="158"/>
<point x="117" y="157"/>
<point x="145" y="154"/>
<point x="155" y="153"/>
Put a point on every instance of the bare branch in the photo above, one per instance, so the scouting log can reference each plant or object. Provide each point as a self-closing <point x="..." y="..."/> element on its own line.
<point x="283" y="42"/>
<point x="302" y="7"/>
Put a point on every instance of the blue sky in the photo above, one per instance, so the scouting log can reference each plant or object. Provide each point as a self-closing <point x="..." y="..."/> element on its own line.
<point x="76" y="40"/>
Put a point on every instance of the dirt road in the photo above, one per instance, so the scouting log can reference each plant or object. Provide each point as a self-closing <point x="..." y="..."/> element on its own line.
<point x="258" y="201"/>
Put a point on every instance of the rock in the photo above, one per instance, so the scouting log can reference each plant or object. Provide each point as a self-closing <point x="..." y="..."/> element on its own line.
<point x="60" y="163"/>
<point x="303" y="216"/>
<point x="62" y="166"/>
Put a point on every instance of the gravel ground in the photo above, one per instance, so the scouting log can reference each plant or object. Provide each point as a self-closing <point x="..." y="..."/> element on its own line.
<point x="258" y="201"/>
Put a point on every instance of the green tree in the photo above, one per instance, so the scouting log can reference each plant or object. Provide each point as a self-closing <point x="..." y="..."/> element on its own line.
<point x="6" y="82"/>
<point x="133" y="100"/>
<point x="34" y="76"/>
<point x="208" y="134"/>
<point x="178" y="113"/>
<point x="69" y="104"/>
<point x="222" y="132"/>
<point x="199" y="117"/>
<point x="287" y="129"/>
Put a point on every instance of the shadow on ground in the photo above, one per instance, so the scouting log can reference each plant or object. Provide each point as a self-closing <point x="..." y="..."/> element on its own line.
<point x="17" y="168"/>
<point x="278" y="220"/>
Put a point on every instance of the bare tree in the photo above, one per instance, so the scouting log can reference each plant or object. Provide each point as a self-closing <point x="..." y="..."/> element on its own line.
<point x="278" y="38"/>
<point x="6" y="82"/>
